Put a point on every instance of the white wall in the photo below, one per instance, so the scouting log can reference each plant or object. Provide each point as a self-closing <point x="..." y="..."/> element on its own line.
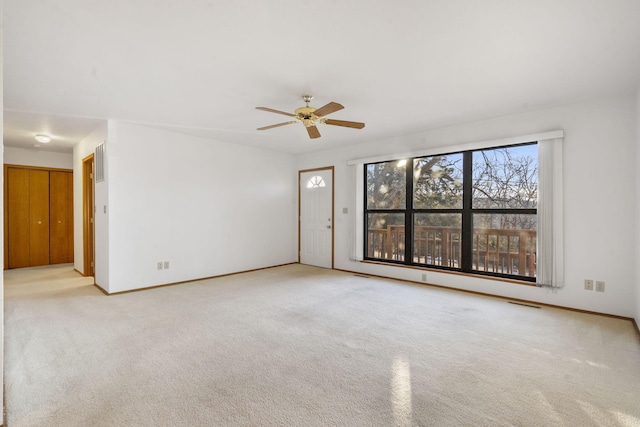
<point x="207" y="207"/>
<point x="85" y="148"/>
<point x="46" y="159"/>
<point x="599" y="194"/>
<point x="637" y="278"/>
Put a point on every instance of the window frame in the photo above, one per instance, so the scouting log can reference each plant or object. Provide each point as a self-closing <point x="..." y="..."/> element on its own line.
<point x="467" y="212"/>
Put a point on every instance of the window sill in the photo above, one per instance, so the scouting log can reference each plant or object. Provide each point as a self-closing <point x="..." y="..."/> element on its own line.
<point x="457" y="273"/>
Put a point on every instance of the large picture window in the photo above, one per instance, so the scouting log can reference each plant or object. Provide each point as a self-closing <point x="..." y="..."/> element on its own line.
<point x="471" y="211"/>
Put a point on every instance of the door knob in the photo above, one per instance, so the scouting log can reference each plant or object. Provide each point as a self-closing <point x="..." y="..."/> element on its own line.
<point x="39" y="222"/>
<point x="328" y="226"/>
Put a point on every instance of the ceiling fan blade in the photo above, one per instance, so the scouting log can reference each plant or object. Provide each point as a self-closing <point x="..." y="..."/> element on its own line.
<point x="328" y="109"/>
<point x="313" y="132"/>
<point x="271" y="110"/>
<point x="355" y="125"/>
<point x="279" y="124"/>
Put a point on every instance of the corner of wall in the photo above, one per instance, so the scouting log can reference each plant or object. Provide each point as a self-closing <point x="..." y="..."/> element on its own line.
<point x="1" y="229"/>
<point x="637" y="224"/>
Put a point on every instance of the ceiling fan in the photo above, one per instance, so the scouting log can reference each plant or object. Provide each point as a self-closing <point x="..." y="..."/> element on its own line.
<point x="310" y="117"/>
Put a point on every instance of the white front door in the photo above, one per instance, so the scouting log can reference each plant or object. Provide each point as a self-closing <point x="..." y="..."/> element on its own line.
<point x="316" y="218"/>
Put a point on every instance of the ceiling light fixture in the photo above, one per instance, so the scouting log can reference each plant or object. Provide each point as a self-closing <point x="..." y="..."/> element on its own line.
<point x="43" y="138"/>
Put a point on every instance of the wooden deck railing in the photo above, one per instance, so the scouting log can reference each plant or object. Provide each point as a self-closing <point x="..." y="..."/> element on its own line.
<point x="494" y="250"/>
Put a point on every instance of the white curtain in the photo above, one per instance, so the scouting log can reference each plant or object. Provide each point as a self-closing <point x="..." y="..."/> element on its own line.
<point x="550" y="246"/>
<point x="356" y="212"/>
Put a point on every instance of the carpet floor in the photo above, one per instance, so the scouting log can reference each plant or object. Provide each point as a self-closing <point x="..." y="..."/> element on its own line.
<point x="303" y="346"/>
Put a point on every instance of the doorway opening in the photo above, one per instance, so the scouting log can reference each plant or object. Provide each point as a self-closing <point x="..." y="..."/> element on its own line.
<point x="88" y="215"/>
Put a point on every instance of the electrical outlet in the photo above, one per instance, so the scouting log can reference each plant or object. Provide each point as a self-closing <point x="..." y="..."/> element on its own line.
<point x="599" y="286"/>
<point x="424" y="277"/>
<point x="159" y="265"/>
<point x="588" y="285"/>
<point x="166" y="265"/>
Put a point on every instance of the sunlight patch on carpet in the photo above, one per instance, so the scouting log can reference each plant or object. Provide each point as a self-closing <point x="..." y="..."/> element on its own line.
<point x="401" y="391"/>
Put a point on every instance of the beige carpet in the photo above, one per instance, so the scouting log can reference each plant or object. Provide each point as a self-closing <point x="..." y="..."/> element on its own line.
<point x="302" y="346"/>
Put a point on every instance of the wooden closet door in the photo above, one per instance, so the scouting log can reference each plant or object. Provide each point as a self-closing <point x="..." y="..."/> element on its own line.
<point x="39" y="217"/>
<point x="18" y="217"/>
<point x="61" y="215"/>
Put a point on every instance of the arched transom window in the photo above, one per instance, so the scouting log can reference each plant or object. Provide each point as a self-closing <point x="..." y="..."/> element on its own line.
<point x="316" y="182"/>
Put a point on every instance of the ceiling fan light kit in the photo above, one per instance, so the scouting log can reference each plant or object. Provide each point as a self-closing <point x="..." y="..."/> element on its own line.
<point x="310" y="117"/>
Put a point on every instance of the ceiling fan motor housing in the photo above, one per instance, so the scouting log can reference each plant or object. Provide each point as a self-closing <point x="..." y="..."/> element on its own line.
<point x="306" y="116"/>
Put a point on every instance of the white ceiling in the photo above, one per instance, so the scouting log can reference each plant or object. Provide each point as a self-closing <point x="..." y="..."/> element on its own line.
<point x="403" y="66"/>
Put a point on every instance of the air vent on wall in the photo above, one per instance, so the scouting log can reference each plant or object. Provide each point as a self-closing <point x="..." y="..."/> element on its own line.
<point x="525" y="305"/>
<point x="100" y="162"/>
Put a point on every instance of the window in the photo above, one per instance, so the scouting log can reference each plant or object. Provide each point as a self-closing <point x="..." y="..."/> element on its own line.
<point x="472" y="211"/>
<point x="316" y="182"/>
